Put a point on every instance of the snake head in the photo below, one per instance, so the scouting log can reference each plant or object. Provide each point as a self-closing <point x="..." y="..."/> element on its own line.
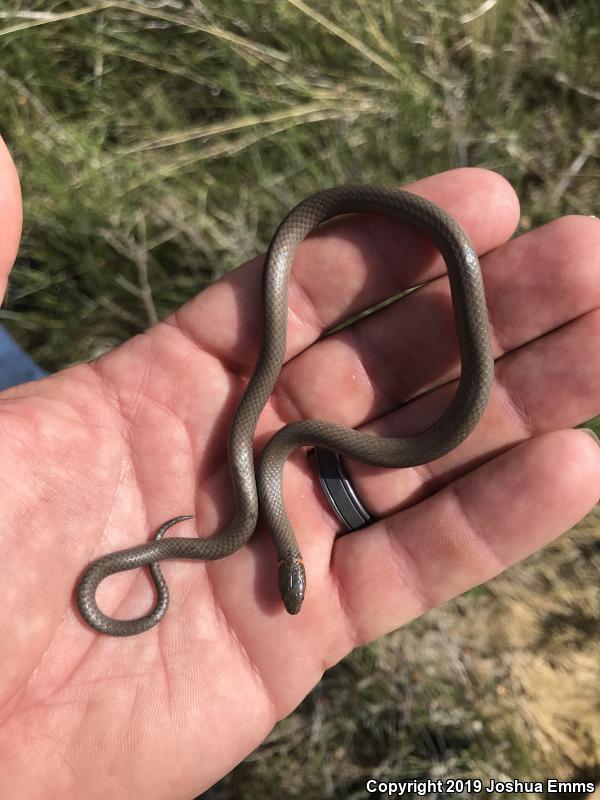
<point x="292" y="583"/>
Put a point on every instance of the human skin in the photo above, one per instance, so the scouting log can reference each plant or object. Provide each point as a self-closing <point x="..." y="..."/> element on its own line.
<point x="97" y="456"/>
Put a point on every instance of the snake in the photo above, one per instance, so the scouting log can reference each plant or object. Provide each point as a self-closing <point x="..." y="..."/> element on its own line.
<point x="263" y="490"/>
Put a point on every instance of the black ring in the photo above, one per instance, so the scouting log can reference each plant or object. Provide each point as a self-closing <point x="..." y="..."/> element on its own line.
<point x="338" y="489"/>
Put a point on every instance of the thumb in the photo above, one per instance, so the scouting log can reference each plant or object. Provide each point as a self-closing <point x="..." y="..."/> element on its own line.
<point x="11" y="215"/>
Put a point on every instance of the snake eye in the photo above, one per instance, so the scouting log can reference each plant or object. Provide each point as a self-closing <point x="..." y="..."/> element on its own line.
<point x="292" y="584"/>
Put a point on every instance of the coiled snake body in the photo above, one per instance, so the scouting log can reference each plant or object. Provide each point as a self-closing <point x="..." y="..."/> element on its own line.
<point x="447" y="432"/>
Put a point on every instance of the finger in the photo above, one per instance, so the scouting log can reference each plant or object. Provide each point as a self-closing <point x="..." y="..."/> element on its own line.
<point x="347" y="266"/>
<point x="464" y="535"/>
<point x="534" y="284"/>
<point x="11" y="215"/>
<point x="552" y="383"/>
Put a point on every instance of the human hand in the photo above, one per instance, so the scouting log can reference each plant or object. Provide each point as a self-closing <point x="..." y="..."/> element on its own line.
<point x="97" y="456"/>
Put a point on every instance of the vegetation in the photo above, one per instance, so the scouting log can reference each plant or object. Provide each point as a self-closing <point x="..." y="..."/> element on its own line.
<point x="160" y="142"/>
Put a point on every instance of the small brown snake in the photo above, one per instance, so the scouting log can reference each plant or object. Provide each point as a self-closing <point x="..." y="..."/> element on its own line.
<point x="265" y="489"/>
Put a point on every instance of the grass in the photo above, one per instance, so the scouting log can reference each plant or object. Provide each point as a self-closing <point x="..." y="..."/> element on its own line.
<point x="159" y="144"/>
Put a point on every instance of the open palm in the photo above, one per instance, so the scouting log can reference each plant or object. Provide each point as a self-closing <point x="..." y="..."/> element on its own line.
<point x="96" y="457"/>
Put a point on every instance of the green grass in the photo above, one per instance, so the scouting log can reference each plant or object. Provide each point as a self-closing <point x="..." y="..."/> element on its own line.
<point x="160" y="143"/>
<point x="159" y="148"/>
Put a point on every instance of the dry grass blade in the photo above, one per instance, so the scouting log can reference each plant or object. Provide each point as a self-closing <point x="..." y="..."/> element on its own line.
<point x="348" y="38"/>
<point x="260" y="51"/>
<point x="300" y="113"/>
<point x="50" y="19"/>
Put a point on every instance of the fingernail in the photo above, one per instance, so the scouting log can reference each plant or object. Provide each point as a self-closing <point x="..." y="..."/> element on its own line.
<point x="593" y="434"/>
